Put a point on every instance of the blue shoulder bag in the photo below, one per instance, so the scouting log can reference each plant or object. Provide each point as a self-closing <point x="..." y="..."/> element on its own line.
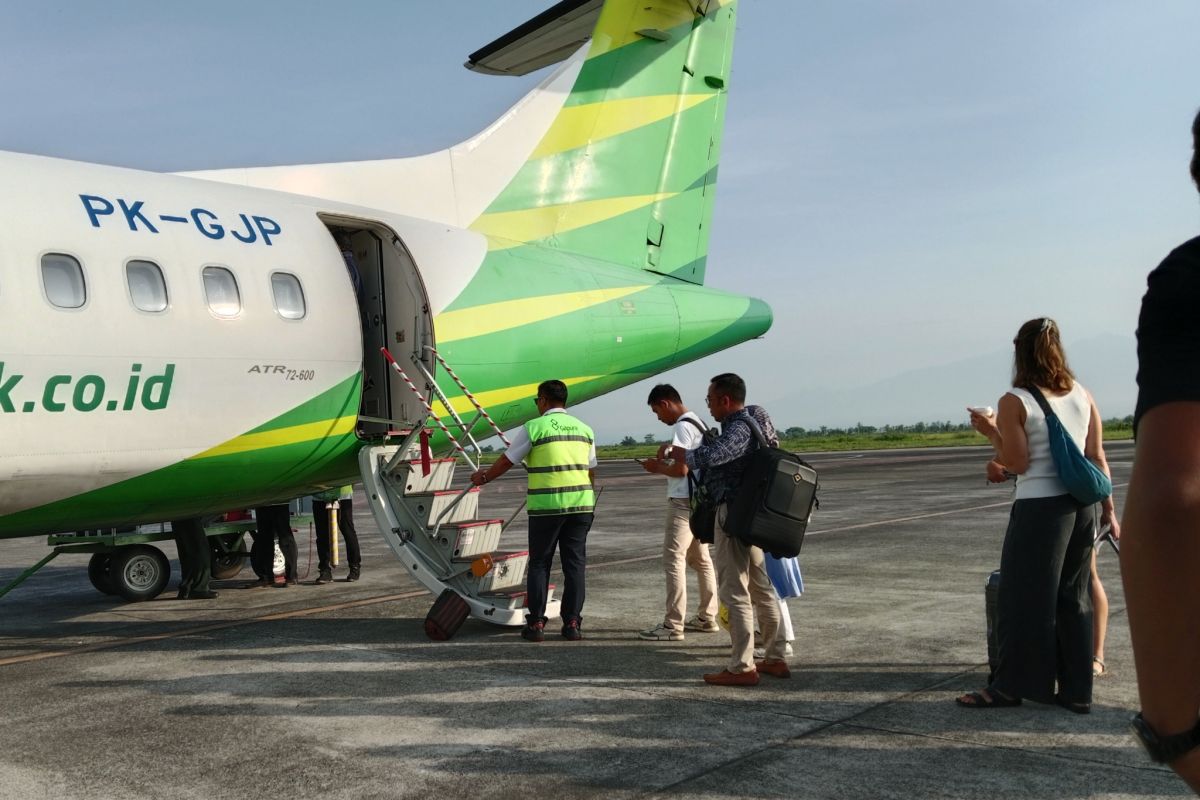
<point x="1083" y="479"/>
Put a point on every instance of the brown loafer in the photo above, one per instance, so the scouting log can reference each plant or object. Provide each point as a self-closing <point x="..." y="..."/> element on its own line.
<point x="775" y="667"/>
<point x="727" y="678"/>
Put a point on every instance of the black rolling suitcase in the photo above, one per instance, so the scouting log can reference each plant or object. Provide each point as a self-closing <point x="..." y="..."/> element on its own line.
<point x="991" y="591"/>
<point x="446" y="616"/>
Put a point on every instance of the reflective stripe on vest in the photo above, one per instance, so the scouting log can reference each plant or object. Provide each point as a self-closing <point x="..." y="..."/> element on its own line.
<point x="557" y="463"/>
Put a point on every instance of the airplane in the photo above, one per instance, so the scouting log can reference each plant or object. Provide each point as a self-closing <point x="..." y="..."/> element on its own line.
<point x="177" y="345"/>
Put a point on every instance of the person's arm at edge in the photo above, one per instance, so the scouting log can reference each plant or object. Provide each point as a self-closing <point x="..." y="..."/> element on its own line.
<point x="1160" y="555"/>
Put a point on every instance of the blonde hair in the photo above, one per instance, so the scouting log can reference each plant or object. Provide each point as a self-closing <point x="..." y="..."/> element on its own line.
<point x="1038" y="357"/>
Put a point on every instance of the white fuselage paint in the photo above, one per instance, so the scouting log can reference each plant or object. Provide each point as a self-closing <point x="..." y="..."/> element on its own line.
<point x="456" y="184"/>
<point x="216" y="394"/>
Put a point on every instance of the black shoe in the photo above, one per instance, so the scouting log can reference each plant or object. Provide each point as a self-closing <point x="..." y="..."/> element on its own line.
<point x="184" y="593"/>
<point x="570" y="630"/>
<point x="325" y="577"/>
<point x="281" y="585"/>
<point x="534" y="631"/>
<point x="202" y="596"/>
<point x="355" y="574"/>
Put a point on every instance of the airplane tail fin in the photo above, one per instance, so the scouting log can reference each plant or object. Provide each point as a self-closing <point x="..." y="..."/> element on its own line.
<point x="614" y="154"/>
<point x="627" y="167"/>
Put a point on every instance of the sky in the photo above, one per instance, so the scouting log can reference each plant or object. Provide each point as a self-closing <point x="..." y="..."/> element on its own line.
<point x="905" y="182"/>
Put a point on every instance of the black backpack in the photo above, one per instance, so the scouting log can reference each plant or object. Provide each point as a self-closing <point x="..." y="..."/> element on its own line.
<point x="776" y="498"/>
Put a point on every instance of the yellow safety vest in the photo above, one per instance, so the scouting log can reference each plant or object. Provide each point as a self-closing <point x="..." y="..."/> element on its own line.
<point x="558" y="465"/>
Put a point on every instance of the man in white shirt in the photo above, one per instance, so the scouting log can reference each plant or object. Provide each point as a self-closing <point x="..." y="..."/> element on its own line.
<point x="680" y="547"/>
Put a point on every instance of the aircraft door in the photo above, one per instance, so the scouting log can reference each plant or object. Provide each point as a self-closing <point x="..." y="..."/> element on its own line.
<point x="393" y="313"/>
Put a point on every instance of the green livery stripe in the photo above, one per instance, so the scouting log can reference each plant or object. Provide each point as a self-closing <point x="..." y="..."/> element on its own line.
<point x="506" y="229"/>
<point x="295" y="453"/>
<point x="338" y="401"/>
<point x="631" y="164"/>
<point x="626" y="170"/>
<point x="483" y="320"/>
<point x="282" y="436"/>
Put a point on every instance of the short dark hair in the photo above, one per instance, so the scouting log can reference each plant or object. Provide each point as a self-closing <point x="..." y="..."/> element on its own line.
<point x="553" y="391"/>
<point x="1196" y="150"/>
<point x="727" y="384"/>
<point x="664" y="391"/>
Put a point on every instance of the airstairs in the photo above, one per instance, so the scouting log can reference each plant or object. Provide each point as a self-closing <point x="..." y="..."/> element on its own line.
<point x="437" y="531"/>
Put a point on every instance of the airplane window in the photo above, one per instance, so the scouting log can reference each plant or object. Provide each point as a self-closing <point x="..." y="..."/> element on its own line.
<point x="147" y="289"/>
<point x="62" y="276"/>
<point x="220" y="287"/>
<point x="289" y="296"/>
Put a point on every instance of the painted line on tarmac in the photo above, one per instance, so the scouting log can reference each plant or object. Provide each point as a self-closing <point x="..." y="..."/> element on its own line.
<point x="92" y="648"/>
<point x="931" y="514"/>
<point x="894" y="520"/>
<point x="217" y="626"/>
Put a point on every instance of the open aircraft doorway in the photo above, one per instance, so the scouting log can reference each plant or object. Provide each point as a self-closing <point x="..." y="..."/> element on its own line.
<point x="393" y="313"/>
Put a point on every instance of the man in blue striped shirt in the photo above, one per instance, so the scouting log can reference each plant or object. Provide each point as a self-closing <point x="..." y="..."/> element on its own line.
<point x="742" y="582"/>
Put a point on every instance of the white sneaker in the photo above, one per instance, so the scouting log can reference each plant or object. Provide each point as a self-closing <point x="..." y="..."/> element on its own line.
<point x="701" y="625"/>
<point x="661" y="633"/>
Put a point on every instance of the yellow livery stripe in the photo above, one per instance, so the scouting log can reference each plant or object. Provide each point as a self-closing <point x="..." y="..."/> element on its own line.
<point x="513" y="228"/>
<point x="499" y="397"/>
<point x="465" y="323"/>
<point x="282" y="436"/>
<point x="576" y="126"/>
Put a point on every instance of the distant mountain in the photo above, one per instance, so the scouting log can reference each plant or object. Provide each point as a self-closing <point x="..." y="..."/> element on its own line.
<point x="1106" y="364"/>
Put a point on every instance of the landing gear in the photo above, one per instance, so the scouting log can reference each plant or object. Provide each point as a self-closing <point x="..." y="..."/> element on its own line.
<point x="99" y="572"/>
<point x="228" y="555"/>
<point x="138" y="572"/>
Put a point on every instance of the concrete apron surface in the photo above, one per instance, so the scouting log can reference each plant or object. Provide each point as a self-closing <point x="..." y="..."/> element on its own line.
<point x="334" y="691"/>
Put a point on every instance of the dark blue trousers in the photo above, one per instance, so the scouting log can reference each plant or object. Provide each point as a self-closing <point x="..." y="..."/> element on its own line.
<point x="569" y="533"/>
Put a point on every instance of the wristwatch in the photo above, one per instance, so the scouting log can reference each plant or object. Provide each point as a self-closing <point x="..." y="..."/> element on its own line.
<point x="1164" y="749"/>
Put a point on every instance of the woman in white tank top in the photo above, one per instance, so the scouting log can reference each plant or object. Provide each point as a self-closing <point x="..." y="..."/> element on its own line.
<point x="1044" y="608"/>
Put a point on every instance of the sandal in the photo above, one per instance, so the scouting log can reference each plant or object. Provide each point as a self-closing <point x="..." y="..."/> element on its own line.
<point x="978" y="700"/>
<point x="1099" y="669"/>
<point x="1077" y="708"/>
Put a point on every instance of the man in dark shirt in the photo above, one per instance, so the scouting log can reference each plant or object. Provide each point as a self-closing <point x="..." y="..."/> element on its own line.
<point x="1160" y="541"/>
<point x="742" y="582"/>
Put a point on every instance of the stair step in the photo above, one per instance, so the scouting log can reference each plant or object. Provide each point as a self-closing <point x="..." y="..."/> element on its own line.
<point x="519" y="597"/>
<point x="470" y="539"/>
<point x="508" y="571"/>
<point x="427" y="506"/>
<point x="409" y="474"/>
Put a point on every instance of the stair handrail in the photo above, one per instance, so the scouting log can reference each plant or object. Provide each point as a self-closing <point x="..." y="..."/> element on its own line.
<point x="467" y="392"/>
<point x="445" y="401"/>
<point x="429" y="414"/>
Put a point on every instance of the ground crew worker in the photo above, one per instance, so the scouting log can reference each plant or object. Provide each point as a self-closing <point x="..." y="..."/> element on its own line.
<point x="275" y="522"/>
<point x="195" y="560"/>
<point x="560" y="455"/>
<point x="344" y="498"/>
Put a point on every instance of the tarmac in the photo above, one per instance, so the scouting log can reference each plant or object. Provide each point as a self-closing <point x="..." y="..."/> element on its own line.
<point x="335" y="692"/>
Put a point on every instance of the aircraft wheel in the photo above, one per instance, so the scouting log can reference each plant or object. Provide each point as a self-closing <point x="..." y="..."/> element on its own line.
<point x="139" y="572"/>
<point x="100" y="572"/>
<point x="227" y="558"/>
